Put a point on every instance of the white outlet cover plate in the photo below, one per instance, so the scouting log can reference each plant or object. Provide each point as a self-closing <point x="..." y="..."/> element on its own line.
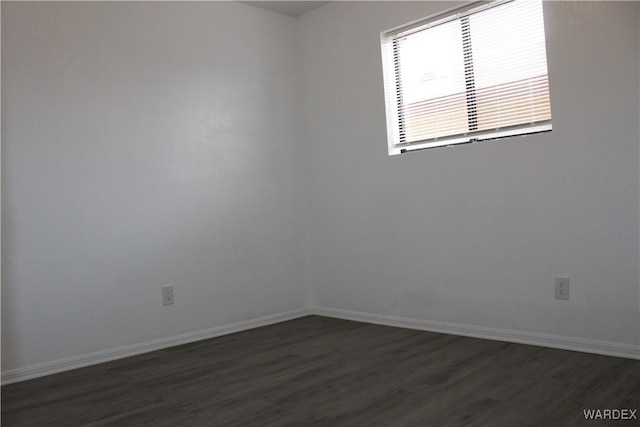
<point x="562" y="287"/>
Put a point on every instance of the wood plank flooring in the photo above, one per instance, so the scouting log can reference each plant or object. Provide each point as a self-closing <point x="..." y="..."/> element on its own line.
<point x="317" y="371"/>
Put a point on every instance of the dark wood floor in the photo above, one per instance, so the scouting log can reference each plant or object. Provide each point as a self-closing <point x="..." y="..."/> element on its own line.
<point x="317" y="371"/>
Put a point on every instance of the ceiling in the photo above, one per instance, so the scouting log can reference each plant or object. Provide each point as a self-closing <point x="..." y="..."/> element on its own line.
<point x="291" y="8"/>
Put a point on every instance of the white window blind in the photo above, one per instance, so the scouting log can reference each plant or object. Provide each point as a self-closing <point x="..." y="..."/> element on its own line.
<point x="477" y="72"/>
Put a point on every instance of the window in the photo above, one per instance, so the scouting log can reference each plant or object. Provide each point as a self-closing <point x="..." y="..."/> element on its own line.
<point x="473" y="73"/>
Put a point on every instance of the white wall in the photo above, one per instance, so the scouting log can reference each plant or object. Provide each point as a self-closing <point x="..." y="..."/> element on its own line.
<point x="241" y="156"/>
<point x="474" y="235"/>
<point x="145" y="144"/>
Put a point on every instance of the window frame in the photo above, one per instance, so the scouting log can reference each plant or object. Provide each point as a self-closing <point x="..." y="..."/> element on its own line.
<point x="393" y="85"/>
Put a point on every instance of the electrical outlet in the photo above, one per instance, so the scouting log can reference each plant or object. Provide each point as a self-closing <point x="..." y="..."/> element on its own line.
<point x="562" y="288"/>
<point x="167" y="295"/>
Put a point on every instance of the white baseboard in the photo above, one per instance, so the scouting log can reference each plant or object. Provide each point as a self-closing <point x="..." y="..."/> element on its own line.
<point x="48" y="368"/>
<point x="545" y="340"/>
